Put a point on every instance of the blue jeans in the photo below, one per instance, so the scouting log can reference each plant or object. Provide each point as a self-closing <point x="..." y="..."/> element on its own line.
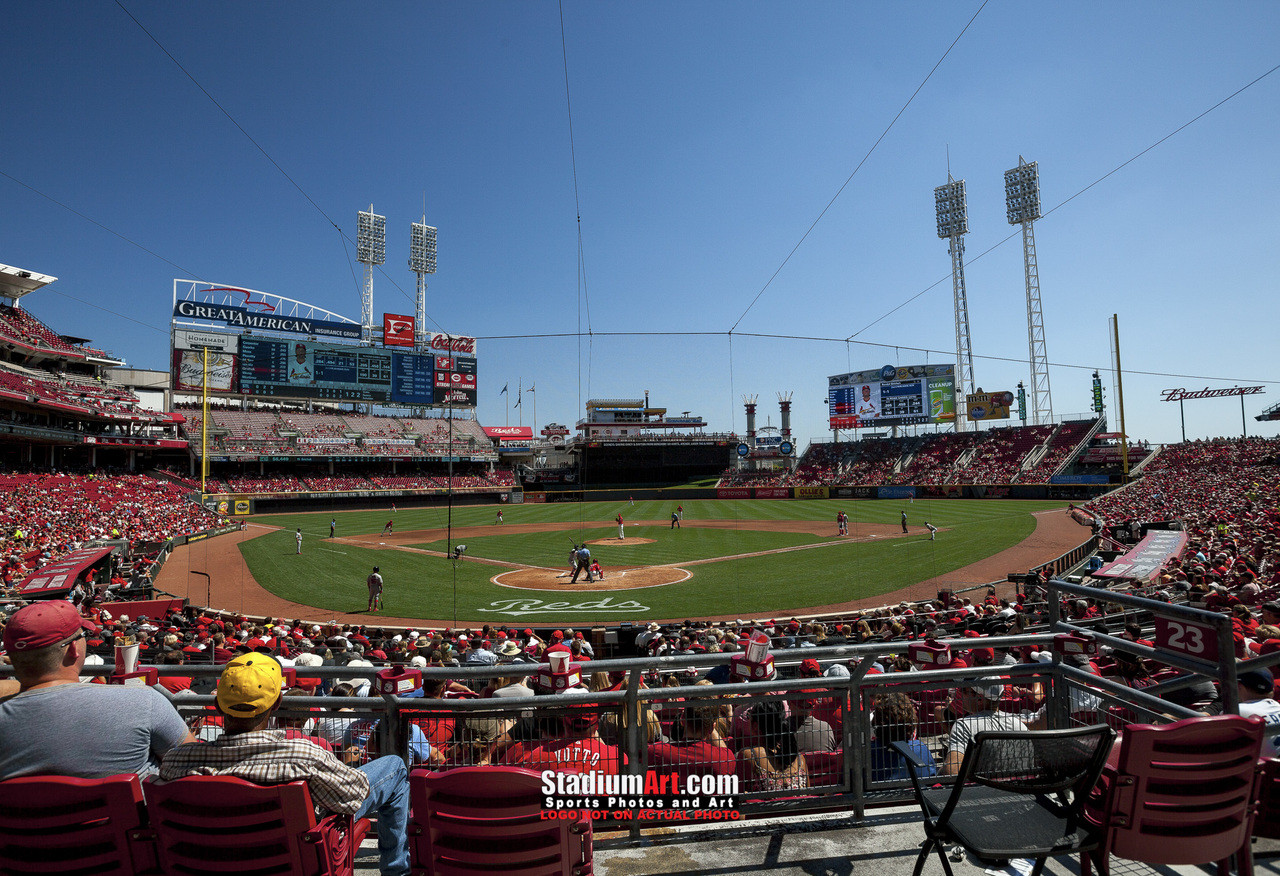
<point x="389" y="800"/>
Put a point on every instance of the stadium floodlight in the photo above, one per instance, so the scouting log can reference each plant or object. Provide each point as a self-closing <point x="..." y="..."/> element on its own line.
<point x="953" y="211"/>
<point x="422" y="261"/>
<point x="1022" y="193"/>
<point x="371" y="237"/>
<point x="422" y="248"/>
<point x="371" y="249"/>
<point x="1022" y="207"/>
<point x="953" y="225"/>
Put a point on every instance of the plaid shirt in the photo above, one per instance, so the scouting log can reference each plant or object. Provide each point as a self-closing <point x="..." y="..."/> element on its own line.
<point x="266" y="757"/>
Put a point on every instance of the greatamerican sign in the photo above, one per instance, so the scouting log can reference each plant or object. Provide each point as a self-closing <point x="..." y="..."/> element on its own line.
<point x="1183" y="395"/>
<point x="266" y="322"/>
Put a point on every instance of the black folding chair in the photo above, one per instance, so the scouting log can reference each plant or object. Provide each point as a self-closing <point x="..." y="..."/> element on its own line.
<point x="1017" y="795"/>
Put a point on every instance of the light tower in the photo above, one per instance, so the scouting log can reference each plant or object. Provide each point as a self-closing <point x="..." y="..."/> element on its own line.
<point x="1022" y="207"/>
<point x="953" y="225"/>
<point x="422" y="261"/>
<point x="371" y="249"/>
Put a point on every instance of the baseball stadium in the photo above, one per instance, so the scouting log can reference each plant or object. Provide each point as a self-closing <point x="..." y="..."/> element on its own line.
<point x="303" y="600"/>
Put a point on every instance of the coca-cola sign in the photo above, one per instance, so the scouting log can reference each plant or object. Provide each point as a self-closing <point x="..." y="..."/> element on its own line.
<point x="453" y="344"/>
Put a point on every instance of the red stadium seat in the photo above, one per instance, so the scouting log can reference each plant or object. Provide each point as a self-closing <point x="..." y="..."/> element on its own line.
<point x="1180" y="793"/>
<point x="488" y="819"/>
<point x="218" y="825"/>
<point x="53" y="825"/>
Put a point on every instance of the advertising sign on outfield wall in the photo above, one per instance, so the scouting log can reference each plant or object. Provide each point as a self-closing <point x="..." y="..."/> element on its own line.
<point x="895" y="492"/>
<point x="773" y="492"/>
<point x="733" y="493"/>
<point x="853" y="492"/>
<point x="811" y="492"/>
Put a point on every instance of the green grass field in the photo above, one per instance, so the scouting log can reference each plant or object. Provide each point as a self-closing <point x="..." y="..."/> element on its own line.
<point x="330" y="575"/>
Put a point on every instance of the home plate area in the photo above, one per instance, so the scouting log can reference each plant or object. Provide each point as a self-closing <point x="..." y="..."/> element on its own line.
<point x="615" y="578"/>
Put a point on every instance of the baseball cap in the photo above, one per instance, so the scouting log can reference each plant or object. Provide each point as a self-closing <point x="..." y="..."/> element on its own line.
<point x="250" y="685"/>
<point x="810" y="667"/>
<point x="1257" y="680"/>
<point x="44" y="623"/>
<point x="988" y="688"/>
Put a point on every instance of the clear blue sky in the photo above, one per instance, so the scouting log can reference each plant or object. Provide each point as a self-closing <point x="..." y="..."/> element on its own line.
<point x="708" y="137"/>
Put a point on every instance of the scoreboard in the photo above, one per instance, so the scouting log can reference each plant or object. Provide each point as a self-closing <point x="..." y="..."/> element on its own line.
<point x="283" y="368"/>
<point x="892" y="396"/>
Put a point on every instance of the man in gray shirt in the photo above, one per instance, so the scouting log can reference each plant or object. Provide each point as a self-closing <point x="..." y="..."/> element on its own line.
<point x="56" y="725"/>
<point x="980" y="697"/>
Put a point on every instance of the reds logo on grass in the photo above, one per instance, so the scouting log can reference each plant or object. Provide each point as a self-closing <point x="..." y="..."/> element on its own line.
<point x="523" y="607"/>
<point x="397" y="330"/>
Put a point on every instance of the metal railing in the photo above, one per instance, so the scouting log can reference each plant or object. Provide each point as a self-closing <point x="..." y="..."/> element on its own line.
<point x="840" y="721"/>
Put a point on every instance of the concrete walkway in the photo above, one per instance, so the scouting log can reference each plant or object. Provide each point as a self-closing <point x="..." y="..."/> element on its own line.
<point x="884" y="843"/>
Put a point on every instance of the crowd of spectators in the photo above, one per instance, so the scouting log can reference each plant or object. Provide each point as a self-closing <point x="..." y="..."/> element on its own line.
<point x="373" y="479"/>
<point x="281" y="431"/>
<point x="71" y="394"/>
<point x="993" y="456"/>
<point x="20" y="325"/>
<point x="46" y="515"/>
<point x="1224" y="493"/>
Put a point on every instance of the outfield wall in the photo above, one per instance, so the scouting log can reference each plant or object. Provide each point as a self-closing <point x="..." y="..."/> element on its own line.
<point x="271" y="503"/>
<point x="1064" y="492"/>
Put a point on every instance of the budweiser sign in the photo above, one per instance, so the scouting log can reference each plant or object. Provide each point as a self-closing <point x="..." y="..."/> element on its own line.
<point x="1183" y="395"/>
<point x="453" y="344"/>
<point x="510" y="432"/>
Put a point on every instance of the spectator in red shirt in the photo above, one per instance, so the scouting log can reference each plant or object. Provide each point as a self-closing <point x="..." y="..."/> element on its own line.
<point x="701" y="751"/>
<point x="579" y="747"/>
<point x="174" y="683"/>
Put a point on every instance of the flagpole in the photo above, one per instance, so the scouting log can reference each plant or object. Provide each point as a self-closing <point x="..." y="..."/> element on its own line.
<point x="520" y="399"/>
<point x="535" y="407"/>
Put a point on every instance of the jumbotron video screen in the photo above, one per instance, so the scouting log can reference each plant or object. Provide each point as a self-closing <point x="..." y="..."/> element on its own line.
<point x="295" y="368"/>
<point x="892" y="396"/>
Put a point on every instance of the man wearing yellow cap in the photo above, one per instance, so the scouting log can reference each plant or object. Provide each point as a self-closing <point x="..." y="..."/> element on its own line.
<point x="248" y="695"/>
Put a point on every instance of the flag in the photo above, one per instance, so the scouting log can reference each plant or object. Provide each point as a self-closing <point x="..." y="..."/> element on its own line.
<point x="504" y="389"/>
<point x="530" y="389"/>
<point x="517" y="404"/>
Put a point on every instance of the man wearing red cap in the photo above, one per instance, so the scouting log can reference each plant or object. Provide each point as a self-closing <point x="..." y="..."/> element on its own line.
<point x="56" y="725"/>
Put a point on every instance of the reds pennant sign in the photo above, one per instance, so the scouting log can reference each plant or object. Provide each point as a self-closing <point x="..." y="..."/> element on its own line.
<point x="452" y="344"/>
<point x="397" y="330"/>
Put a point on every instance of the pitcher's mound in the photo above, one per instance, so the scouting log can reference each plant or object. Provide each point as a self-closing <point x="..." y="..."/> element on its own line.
<point x="623" y="542"/>
<point x="621" y="578"/>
